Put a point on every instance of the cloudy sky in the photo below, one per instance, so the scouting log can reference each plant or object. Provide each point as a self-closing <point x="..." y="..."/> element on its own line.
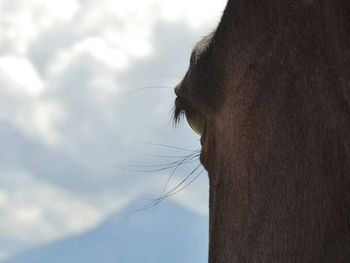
<point x="83" y="85"/>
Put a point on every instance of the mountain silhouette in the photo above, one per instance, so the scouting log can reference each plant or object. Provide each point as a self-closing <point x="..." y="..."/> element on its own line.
<point x="166" y="233"/>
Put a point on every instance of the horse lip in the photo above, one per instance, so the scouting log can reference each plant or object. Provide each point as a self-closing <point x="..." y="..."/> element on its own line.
<point x="177" y="89"/>
<point x="179" y="103"/>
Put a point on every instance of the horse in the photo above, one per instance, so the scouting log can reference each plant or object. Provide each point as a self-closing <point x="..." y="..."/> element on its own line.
<point x="269" y="93"/>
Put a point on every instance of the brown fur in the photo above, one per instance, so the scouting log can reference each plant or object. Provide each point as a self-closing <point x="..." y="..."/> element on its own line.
<point x="273" y="82"/>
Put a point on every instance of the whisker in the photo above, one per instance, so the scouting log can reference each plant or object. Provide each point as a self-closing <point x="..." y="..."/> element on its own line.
<point x="169" y="76"/>
<point x="167" y="146"/>
<point x="167" y="156"/>
<point x="174" y="191"/>
<point x="162" y="197"/>
<point x="173" y="172"/>
<point x="151" y="87"/>
<point x="184" y="180"/>
<point x="187" y="159"/>
<point x="186" y="185"/>
<point x="160" y="169"/>
<point x="184" y="158"/>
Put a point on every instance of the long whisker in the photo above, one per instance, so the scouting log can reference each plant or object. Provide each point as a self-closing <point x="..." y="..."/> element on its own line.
<point x="186" y="185"/>
<point x="191" y="157"/>
<point x="169" y="76"/>
<point x="184" y="180"/>
<point x="150" y="87"/>
<point x="167" y="146"/>
<point x="167" y="157"/>
<point x="162" y="197"/>
<point x="169" y="163"/>
<point x="160" y="169"/>
<point x="173" y="172"/>
<point x="174" y="191"/>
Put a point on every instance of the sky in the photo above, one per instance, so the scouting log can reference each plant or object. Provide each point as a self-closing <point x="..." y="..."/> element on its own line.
<point x="85" y="86"/>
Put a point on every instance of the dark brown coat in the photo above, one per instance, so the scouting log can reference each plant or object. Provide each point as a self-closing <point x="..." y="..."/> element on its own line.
<point x="271" y="88"/>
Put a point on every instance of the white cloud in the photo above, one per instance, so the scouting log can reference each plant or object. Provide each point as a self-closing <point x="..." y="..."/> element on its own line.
<point x="69" y="97"/>
<point x="95" y="47"/>
<point x="22" y="103"/>
<point x="53" y="11"/>
<point x="194" y="12"/>
<point x="35" y="207"/>
<point x="39" y="119"/>
<point x="19" y="76"/>
<point x="35" y="212"/>
<point x="22" y="21"/>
